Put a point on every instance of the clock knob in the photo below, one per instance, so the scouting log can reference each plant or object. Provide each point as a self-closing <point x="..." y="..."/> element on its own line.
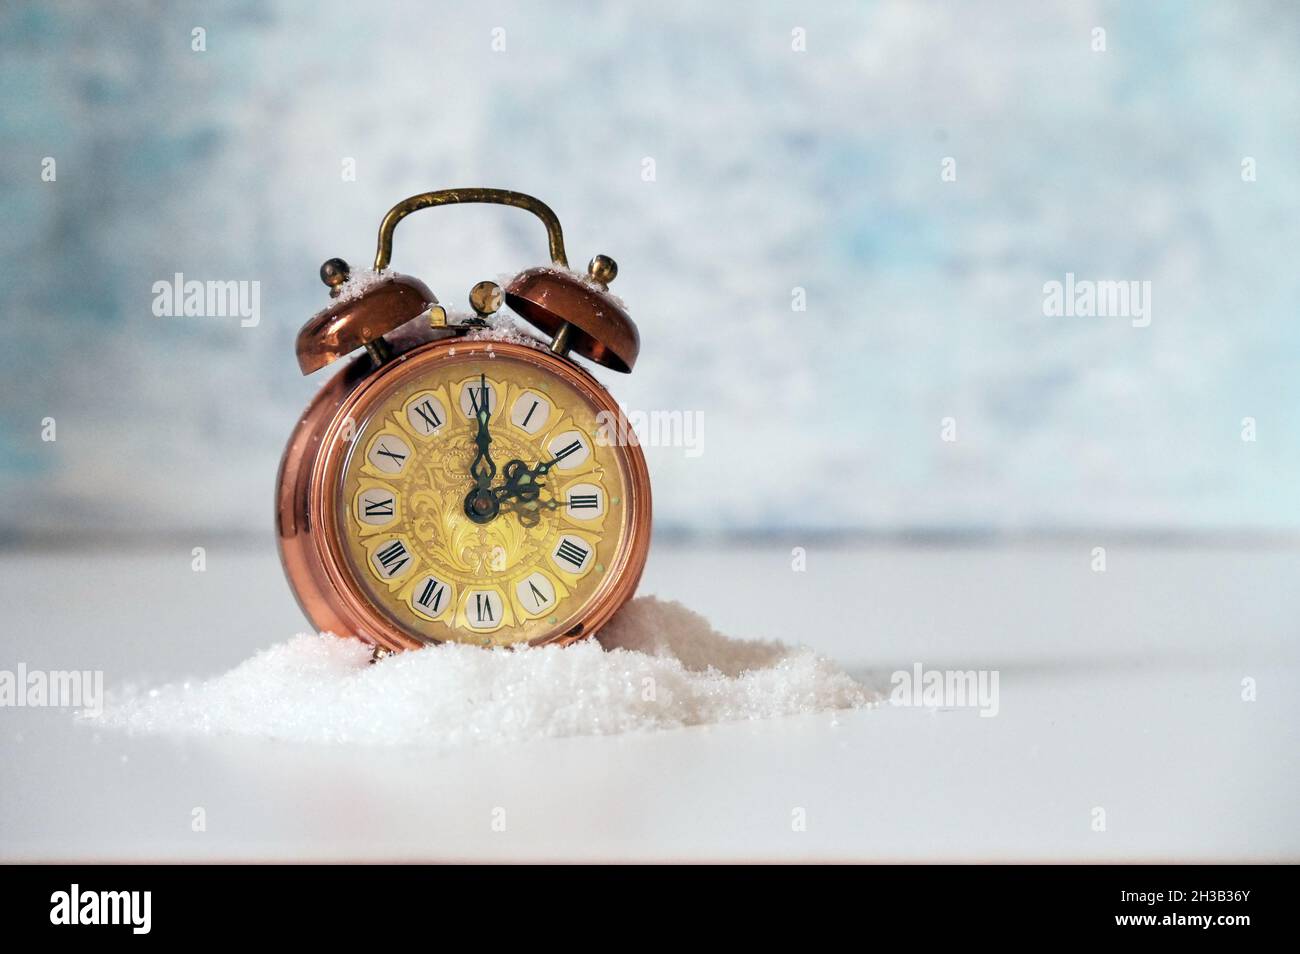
<point x="602" y="269"/>
<point x="334" y="273"/>
<point x="486" y="298"/>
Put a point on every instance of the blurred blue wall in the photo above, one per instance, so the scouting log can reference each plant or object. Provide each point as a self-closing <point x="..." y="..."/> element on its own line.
<point x="775" y="169"/>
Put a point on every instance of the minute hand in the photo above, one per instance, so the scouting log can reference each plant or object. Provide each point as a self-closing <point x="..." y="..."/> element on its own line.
<point x="483" y="468"/>
<point x="481" y="503"/>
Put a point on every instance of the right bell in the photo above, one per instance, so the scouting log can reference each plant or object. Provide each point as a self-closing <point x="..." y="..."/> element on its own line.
<point x="578" y="312"/>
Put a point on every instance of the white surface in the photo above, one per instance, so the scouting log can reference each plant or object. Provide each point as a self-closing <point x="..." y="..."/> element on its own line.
<point x="1120" y="690"/>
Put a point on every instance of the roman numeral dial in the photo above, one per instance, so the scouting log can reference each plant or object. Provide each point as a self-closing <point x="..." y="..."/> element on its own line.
<point x="554" y="515"/>
<point x="536" y="594"/>
<point x="392" y="559"/>
<point x="426" y="414"/>
<point x="389" y="454"/>
<point x="484" y="610"/>
<point x="570" y="450"/>
<point x="584" y="502"/>
<point x="531" y="411"/>
<point x="430" y="597"/>
<point x="375" y="506"/>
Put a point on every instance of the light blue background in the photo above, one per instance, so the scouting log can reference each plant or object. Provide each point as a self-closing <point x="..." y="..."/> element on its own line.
<point x="774" y="169"/>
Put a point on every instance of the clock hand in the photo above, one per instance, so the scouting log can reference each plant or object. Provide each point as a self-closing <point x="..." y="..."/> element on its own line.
<point x="481" y="504"/>
<point x="522" y="490"/>
<point x="519" y="481"/>
<point x="522" y="481"/>
<point x="529" y="511"/>
<point x="482" y="469"/>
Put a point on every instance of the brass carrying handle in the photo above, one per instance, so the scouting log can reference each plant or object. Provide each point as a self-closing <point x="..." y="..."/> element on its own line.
<point x="427" y="200"/>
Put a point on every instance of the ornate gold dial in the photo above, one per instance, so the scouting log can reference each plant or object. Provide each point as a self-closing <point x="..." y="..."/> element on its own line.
<point x="479" y="502"/>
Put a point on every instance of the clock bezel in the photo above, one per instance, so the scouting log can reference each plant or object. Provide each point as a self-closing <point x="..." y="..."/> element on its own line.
<point x="311" y="547"/>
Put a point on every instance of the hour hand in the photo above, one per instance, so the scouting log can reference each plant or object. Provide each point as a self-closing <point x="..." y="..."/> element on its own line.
<point x="522" y="482"/>
<point x="529" y="510"/>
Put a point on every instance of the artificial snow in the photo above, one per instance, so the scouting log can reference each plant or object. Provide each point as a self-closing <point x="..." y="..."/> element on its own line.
<point x="503" y="328"/>
<point x="359" y="282"/>
<point x="657" y="665"/>
<point x="584" y="279"/>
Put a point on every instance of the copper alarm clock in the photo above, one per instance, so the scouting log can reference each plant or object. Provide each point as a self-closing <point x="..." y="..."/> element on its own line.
<point x="450" y="485"/>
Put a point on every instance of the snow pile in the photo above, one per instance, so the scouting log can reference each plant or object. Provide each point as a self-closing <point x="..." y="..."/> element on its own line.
<point x="656" y="666"/>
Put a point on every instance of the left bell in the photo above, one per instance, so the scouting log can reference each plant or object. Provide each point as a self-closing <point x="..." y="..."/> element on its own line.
<point x="361" y="316"/>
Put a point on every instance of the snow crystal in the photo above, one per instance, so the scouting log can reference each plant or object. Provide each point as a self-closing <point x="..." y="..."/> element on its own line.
<point x="359" y="282"/>
<point x="585" y="279"/>
<point x="500" y="328"/>
<point x="657" y="665"/>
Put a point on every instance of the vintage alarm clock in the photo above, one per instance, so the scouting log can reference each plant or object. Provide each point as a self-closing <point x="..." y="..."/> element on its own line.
<point x="449" y="485"/>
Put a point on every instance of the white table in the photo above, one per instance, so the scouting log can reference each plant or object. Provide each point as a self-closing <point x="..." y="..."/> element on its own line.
<point x="1119" y="690"/>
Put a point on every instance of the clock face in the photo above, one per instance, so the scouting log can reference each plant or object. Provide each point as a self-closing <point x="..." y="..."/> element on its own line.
<point x="479" y="502"/>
